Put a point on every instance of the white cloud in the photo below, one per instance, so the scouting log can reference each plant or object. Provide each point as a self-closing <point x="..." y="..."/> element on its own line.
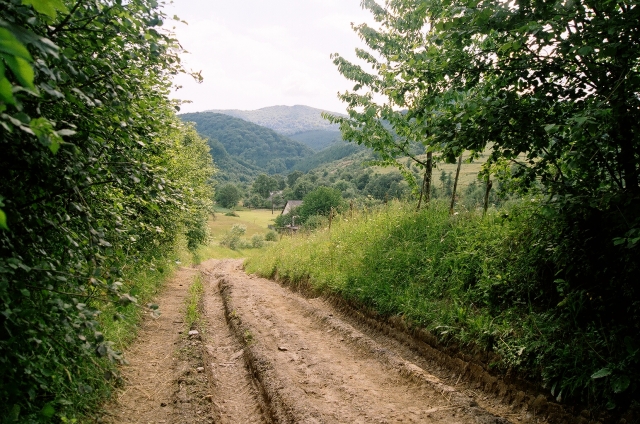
<point x="254" y="53"/>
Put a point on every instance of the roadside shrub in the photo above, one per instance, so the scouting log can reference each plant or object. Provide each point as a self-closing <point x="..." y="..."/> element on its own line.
<point x="231" y="239"/>
<point x="271" y="236"/>
<point x="244" y="243"/>
<point x="288" y="219"/>
<point x="316" y="221"/>
<point x="257" y="241"/>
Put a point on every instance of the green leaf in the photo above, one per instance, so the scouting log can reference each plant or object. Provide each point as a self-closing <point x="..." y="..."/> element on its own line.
<point x="604" y="372"/>
<point x="583" y="51"/>
<point x="621" y="384"/>
<point x="6" y="92"/>
<point x="551" y="128"/>
<point x="48" y="411"/>
<point x="47" y="7"/>
<point x="43" y="129"/>
<point x="54" y="146"/>
<point x="14" y="414"/>
<point x="10" y="45"/>
<point x="21" y="69"/>
<point x="3" y="220"/>
<point x="618" y="241"/>
<point x="581" y="120"/>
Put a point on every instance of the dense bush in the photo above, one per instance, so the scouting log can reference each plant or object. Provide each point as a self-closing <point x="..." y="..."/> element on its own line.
<point x="498" y="283"/>
<point x="231" y="238"/>
<point x="271" y="236"/>
<point x="320" y="201"/>
<point x="98" y="181"/>
<point x="257" y="241"/>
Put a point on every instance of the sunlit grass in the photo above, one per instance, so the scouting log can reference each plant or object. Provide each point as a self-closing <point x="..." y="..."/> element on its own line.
<point x="439" y="272"/>
<point x="256" y="221"/>
<point x="192" y="313"/>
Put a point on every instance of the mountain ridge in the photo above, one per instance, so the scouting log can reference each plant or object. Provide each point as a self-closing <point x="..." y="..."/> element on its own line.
<point x="242" y="148"/>
<point x="287" y="120"/>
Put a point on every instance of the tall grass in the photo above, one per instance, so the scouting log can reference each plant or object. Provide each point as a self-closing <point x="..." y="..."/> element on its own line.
<point x="192" y="312"/>
<point x="436" y="271"/>
<point x="484" y="283"/>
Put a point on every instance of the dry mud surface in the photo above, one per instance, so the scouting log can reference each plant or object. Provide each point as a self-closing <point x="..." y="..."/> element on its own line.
<point x="265" y="354"/>
<point x="162" y="383"/>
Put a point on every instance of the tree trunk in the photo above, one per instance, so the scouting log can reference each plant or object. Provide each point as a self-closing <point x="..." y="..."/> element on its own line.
<point x="426" y="183"/>
<point x="486" y="195"/>
<point x="455" y="185"/>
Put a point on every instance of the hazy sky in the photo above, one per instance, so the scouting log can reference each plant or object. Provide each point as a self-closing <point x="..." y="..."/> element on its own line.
<point x="258" y="53"/>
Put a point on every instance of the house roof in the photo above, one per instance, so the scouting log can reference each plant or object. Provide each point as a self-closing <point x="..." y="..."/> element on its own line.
<point x="290" y="205"/>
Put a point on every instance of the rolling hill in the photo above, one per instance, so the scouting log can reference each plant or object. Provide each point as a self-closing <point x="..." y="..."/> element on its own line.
<point x="339" y="151"/>
<point x="301" y="123"/>
<point x="317" y="139"/>
<point x="241" y="148"/>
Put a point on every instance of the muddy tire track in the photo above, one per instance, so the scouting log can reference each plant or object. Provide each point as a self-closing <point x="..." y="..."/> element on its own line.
<point x="311" y="366"/>
<point x="233" y="392"/>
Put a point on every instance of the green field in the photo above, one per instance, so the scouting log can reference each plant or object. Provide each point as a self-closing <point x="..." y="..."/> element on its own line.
<point x="256" y="221"/>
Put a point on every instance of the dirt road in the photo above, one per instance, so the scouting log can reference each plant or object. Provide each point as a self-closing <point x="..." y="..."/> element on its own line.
<point x="265" y="354"/>
<point x="312" y="366"/>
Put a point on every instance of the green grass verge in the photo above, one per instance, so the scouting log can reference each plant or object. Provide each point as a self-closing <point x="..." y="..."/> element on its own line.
<point x="485" y="284"/>
<point x="192" y="312"/>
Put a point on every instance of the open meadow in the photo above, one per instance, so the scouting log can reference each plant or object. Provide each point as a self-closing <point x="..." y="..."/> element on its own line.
<point x="256" y="221"/>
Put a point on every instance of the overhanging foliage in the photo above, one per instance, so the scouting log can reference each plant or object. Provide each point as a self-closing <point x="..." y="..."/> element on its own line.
<point x="97" y="174"/>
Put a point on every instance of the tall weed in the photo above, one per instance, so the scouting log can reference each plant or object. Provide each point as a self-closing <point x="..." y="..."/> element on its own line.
<point x="483" y="283"/>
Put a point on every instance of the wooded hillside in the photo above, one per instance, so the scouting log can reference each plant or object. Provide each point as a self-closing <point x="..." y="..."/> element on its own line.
<point x="253" y="146"/>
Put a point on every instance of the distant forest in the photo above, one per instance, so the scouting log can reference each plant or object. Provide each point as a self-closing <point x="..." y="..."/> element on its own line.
<point x="242" y="149"/>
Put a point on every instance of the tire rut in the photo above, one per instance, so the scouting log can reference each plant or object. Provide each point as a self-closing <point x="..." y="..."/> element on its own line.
<point x="311" y="366"/>
<point x="233" y="393"/>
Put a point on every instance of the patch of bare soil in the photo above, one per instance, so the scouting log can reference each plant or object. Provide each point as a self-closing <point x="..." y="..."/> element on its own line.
<point x="265" y="354"/>
<point x="234" y="396"/>
<point x="311" y="366"/>
<point x="164" y="381"/>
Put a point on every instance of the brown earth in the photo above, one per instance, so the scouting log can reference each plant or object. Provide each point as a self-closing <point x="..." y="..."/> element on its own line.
<point x="267" y="354"/>
<point x="162" y="383"/>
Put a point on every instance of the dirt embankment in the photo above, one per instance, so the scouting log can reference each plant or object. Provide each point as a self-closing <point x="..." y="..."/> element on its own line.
<point x="267" y="354"/>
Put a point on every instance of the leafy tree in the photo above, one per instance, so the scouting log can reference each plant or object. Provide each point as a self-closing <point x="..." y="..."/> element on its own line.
<point x="282" y="183"/>
<point x="362" y="180"/>
<point x="228" y="196"/>
<point x="293" y="177"/>
<point x="386" y="187"/>
<point x="264" y="185"/>
<point x="555" y="84"/>
<point x="97" y="177"/>
<point x="302" y="188"/>
<point x="550" y="89"/>
<point x="320" y="202"/>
